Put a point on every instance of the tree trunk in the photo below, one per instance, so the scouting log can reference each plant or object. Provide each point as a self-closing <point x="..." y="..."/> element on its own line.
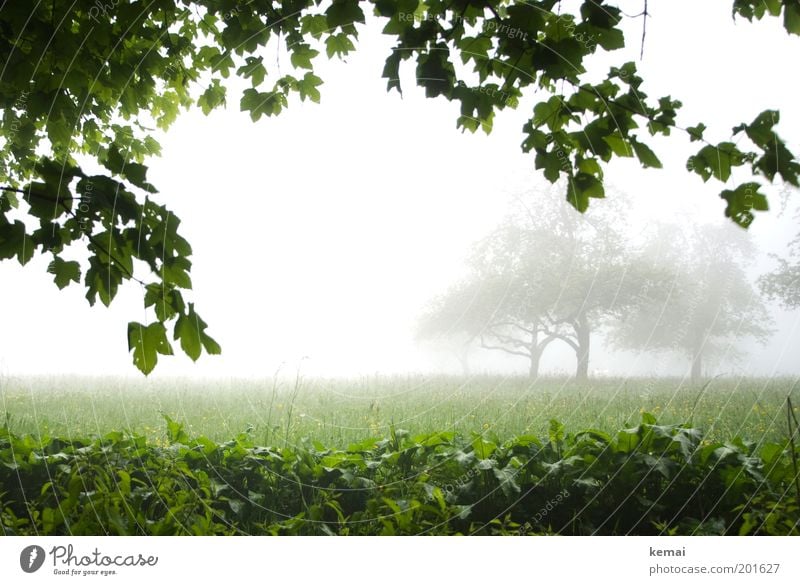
<point x="536" y="357"/>
<point x="583" y="333"/>
<point x="536" y="350"/>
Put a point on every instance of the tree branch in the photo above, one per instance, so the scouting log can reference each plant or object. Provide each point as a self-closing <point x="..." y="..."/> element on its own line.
<point x="492" y="10"/>
<point x="36" y="195"/>
<point x="645" y="14"/>
<point x="505" y="349"/>
<point x="566" y="339"/>
<point x="508" y="340"/>
<point x="545" y="342"/>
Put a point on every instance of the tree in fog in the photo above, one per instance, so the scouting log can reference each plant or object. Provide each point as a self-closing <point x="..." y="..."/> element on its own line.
<point x="455" y="319"/>
<point x="703" y="301"/>
<point x="496" y="306"/>
<point x="783" y="284"/>
<point x="542" y="275"/>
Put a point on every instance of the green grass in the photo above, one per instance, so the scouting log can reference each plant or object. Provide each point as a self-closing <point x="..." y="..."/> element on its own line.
<point x="412" y="455"/>
<point x="339" y="412"/>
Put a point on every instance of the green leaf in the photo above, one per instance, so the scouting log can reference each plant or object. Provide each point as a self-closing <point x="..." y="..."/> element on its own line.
<point x="720" y="160"/>
<point x="175" y="432"/>
<point x="475" y="49"/>
<point x="791" y="17"/>
<point x="308" y="87"/>
<point x="339" y="45"/>
<point x="549" y="113"/>
<point x="391" y="72"/>
<point x="189" y="335"/>
<point x="696" y="132"/>
<point x="553" y="163"/>
<point x="581" y="187"/>
<point x="65" y="272"/>
<point x="760" y="130"/>
<point x="146" y="343"/>
<point x="482" y="448"/>
<point x="165" y="300"/>
<point x="137" y="175"/>
<point x="619" y="146"/>
<point x="742" y="201"/>
<point x="190" y="329"/>
<point x="611" y="39"/>
<point x="102" y="278"/>
<point x="777" y="158"/>
<point x="435" y="73"/>
<point x="469" y="123"/>
<point x="8" y="201"/>
<point x="302" y="56"/>
<point x="314" y="24"/>
<point x="507" y="479"/>
<point x="716" y="161"/>
<point x="43" y="200"/>
<point x="59" y="131"/>
<point x="132" y="171"/>
<point x="253" y="69"/>
<point x="344" y="13"/>
<point x="212" y="97"/>
<point x="555" y="432"/>
<point x="646" y="156"/>
<point x="591" y="166"/>
<point x="262" y="103"/>
<point x="12" y="240"/>
<point x="175" y="271"/>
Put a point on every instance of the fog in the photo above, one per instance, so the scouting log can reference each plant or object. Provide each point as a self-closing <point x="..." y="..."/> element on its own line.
<point x="321" y="237"/>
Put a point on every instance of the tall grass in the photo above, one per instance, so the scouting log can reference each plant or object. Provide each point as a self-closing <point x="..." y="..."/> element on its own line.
<point x="338" y="412"/>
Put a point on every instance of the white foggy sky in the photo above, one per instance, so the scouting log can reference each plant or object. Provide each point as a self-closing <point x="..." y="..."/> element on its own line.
<point x="323" y="232"/>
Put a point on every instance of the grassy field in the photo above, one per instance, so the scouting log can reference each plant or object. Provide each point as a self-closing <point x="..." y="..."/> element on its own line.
<point x="338" y="412"/>
<point x="412" y="455"/>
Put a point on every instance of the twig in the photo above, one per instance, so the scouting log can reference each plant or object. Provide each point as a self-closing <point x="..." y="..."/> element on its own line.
<point x="492" y="10"/>
<point x="645" y="14"/>
<point x="31" y="194"/>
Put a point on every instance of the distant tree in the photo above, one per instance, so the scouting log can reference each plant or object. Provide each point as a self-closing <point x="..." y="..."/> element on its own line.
<point x="703" y="301"/>
<point x="783" y="283"/>
<point x="537" y="278"/>
<point x="494" y="310"/>
<point x="456" y="320"/>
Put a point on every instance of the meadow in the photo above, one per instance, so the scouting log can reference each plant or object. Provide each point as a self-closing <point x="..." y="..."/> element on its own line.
<point x="401" y="455"/>
<point x="341" y="411"/>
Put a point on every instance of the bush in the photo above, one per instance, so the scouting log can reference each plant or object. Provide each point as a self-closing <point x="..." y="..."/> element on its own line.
<point x="650" y="479"/>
